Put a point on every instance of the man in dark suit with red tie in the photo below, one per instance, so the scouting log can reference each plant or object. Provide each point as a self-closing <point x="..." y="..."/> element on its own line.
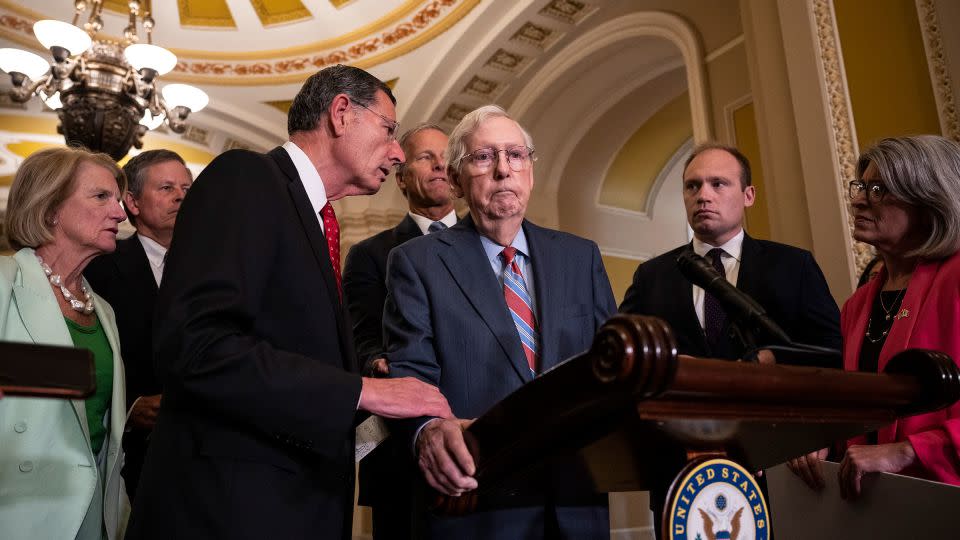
<point x="482" y="308"/>
<point x="129" y="278"/>
<point x="252" y="343"/>
<point x="422" y="179"/>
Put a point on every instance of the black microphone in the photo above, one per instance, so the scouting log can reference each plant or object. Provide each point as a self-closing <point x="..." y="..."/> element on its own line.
<point x="737" y="304"/>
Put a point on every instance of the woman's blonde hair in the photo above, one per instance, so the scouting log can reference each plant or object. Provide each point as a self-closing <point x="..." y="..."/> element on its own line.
<point x="43" y="182"/>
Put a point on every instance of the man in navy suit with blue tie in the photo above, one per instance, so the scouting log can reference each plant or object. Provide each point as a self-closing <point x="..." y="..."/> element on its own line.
<point x="479" y="310"/>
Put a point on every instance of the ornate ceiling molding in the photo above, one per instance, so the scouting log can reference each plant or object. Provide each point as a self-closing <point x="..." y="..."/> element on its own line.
<point x="269" y="13"/>
<point x="939" y="70"/>
<point x="212" y="14"/>
<point x="404" y="29"/>
<point x="841" y="116"/>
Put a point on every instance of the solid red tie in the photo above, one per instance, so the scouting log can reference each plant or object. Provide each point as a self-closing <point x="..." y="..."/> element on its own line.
<point x="331" y="228"/>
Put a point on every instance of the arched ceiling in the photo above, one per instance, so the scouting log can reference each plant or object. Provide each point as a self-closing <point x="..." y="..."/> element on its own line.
<point x="443" y="57"/>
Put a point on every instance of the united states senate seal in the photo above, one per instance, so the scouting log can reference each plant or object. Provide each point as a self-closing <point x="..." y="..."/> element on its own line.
<point x="716" y="499"/>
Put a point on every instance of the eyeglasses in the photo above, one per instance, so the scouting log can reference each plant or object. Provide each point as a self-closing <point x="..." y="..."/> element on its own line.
<point x="875" y="190"/>
<point x="518" y="157"/>
<point x="393" y="127"/>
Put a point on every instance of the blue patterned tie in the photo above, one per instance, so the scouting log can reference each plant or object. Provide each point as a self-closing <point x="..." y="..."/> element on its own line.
<point x="518" y="301"/>
<point x="436" y="226"/>
<point x="713" y="314"/>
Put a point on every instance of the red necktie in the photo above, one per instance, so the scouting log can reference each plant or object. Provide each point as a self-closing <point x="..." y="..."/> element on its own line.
<point x="518" y="301"/>
<point x="331" y="229"/>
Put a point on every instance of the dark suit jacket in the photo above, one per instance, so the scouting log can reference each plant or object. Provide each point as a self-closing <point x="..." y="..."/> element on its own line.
<point x="785" y="280"/>
<point x="447" y="323"/>
<point x="255" y="436"/>
<point x="124" y="279"/>
<point x="385" y="476"/>
<point x="365" y="286"/>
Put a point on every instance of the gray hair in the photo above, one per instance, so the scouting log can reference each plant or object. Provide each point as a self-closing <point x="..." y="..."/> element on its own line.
<point x="410" y="133"/>
<point x="457" y="147"/>
<point x="923" y="171"/>
<point x="317" y="93"/>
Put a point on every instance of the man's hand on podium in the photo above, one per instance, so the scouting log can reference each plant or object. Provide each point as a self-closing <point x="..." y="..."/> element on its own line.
<point x="861" y="459"/>
<point x="444" y="458"/>
<point x="809" y="469"/>
<point x="405" y="397"/>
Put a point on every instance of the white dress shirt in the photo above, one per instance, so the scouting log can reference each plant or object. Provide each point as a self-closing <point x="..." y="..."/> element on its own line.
<point x="156" y="256"/>
<point x="732" y="251"/>
<point x="424" y="222"/>
<point x="310" y="179"/>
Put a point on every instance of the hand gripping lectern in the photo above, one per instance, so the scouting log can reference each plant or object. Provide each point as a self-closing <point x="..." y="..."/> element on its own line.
<point x="630" y="414"/>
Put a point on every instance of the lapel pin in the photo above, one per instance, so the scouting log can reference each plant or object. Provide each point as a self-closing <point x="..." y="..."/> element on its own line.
<point x="904" y="313"/>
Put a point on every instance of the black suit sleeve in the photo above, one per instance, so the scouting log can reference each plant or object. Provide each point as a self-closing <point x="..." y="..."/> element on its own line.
<point x="227" y="266"/>
<point x="633" y="299"/>
<point x="365" y="291"/>
<point x="818" y="317"/>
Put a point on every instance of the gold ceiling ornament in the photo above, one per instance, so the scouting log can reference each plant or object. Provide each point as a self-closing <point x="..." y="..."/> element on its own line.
<point x="431" y="20"/>
<point x="208" y="13"/>
<point x="404" y="29"/>
<point x="273" y="12"/>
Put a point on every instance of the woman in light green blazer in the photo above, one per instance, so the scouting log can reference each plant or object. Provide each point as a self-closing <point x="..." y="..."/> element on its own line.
<point x="60" y="459"/>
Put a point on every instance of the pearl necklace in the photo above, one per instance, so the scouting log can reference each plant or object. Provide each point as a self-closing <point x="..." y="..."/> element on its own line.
<point x="85" y="307"/>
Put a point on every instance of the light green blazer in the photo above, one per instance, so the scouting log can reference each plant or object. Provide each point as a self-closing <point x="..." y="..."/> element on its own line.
<point x="48" y="472"/>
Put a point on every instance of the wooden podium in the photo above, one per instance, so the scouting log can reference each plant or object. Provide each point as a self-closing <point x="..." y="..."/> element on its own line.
<point x="630" y="414"/>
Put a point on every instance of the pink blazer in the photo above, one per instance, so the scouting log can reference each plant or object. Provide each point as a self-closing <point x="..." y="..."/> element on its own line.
<point x="932" y="301"/>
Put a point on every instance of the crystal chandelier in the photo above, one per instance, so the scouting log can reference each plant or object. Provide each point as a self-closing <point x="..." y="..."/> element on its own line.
<point x="105" y="92"/>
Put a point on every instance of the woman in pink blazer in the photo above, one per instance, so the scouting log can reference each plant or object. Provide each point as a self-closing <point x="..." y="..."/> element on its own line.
<point x="906" y="203"/>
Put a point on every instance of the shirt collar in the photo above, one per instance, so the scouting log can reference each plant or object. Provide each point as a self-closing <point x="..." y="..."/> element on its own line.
<point x="493" y="249"/>
<point x="309" y="176"/>
<point x="424" y="222"/>
<point x="155" y="252"/>
<point x="733" y="247"/>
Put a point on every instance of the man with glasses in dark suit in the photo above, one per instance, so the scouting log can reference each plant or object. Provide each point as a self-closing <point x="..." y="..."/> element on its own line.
<point x="423" y="181"/>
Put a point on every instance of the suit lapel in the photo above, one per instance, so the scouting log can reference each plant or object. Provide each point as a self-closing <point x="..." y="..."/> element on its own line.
<point x="310" y="222"/>
<point x="41" y="316"/>
<point x="132" y="263"/>
<point x="118" y="412"/>
<point x="407" y="229"/>
<point x="467" y="263"/>
<point x="547" y="283"/>
<point x="682" y="290"/>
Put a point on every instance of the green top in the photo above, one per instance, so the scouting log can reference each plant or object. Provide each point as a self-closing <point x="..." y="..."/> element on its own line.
<point x="94" y="339"/>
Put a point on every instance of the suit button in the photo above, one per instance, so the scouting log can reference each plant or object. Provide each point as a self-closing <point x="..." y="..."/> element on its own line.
<point x="20" y="427"/>
<point x="26" y="466"/>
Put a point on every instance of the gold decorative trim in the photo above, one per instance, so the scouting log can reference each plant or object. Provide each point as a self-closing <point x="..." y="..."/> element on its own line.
<point x="268" y="17"/>
<point x="340" y="3"/>
<point x="432" y="20"/>
<point x="379" y="25"/>
<point x="939" y="70"/>
<point x="838" y="103"/>
<point x="121" y="7"/>
<point x="402" y="11"/>
<point x="188" y="18"/>
<point x="405" y="37"/>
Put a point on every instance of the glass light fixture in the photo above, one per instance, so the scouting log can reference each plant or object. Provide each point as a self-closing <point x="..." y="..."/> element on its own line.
<point x="23" y="62"/>
<point x="150" y="121"/>
<point x="51" y="33"/>
<point x="95" y="82"/>
<point x="146" y="56"/>
<point x="52" y="101"/>
<point x="184" y="95"/>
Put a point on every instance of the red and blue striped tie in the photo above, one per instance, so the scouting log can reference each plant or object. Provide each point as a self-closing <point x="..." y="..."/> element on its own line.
<point x="518" y="300"/>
